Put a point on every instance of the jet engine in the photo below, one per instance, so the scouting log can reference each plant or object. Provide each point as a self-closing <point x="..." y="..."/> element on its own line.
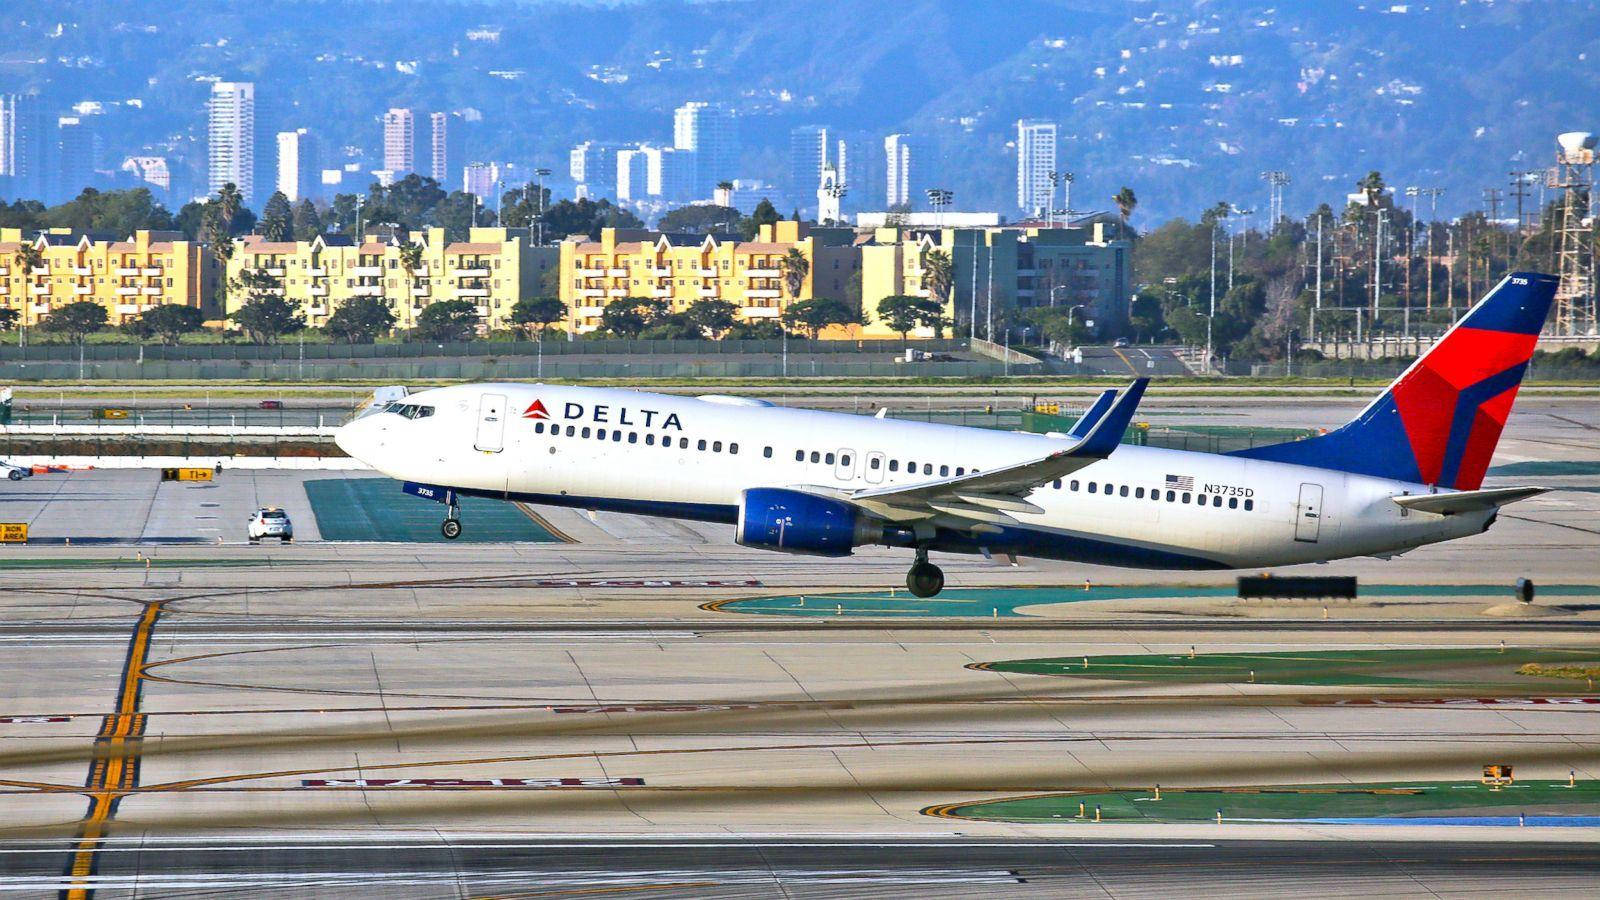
<point x="797" y="522"/>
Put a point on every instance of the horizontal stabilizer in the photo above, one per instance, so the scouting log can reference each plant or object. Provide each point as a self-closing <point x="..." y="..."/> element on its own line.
<point x="1467" y="501"/>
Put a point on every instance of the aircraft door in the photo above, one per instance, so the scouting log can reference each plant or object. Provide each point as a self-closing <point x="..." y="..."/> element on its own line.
<point x="1308" y="514"/>
<point x="491" y="423"/>
<point x="845" y="468"/>
<point x="874" y="470"/>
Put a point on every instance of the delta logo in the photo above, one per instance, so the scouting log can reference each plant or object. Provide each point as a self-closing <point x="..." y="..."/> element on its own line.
<point x="536" y="410"/>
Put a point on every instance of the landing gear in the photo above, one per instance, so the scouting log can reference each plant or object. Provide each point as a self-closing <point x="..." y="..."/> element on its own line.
<point x="451" y="528"/>
<point x="925" y="579"/>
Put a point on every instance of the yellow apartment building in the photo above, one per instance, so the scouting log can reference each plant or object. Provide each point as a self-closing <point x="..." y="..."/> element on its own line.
<point x="127" y="277"/>
<point x="684" y="269"/>
<point x="493" y="268"/>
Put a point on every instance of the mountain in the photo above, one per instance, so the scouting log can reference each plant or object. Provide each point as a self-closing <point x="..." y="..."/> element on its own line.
<point x="1185" y="101"/>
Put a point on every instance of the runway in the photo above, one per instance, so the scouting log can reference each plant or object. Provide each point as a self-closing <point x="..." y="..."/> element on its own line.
<point x="412" y="865"/>
<point x="618" y="714"/>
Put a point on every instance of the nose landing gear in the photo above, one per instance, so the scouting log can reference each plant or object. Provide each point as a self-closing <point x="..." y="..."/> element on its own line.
<point x="451" y="528"/>
<point x="925" y="579"/>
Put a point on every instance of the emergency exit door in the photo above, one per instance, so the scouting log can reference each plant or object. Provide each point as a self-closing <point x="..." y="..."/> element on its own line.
<point x="1308" y="514"/>
<point x="491" y="423"/>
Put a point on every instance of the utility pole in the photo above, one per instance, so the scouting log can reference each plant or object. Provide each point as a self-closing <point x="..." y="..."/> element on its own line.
<point x="1519" y="190"/>
<point x="1377" y="265"/>
<point x="1433" y="216"/>
<point x="1318" y="305"/>
<point x="539" y="175"/>
<point x="1213" y="314"/>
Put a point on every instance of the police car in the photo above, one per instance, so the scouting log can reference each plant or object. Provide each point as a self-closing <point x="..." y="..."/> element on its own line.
<point x="270" y="521"/>
<point x="15" y="473"/>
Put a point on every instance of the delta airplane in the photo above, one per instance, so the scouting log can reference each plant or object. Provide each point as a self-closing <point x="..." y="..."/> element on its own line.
<point x="1407" y="471"/>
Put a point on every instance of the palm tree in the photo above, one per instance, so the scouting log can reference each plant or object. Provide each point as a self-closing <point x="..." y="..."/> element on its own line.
<point x="936" y="276"/>
<point x="795" y="268"/>
<point x="1126" y="203"/>
<point x="28" y="257"/>
<point x="230" y="201"/>
<point x="215" y="232"/>
<point x="411" y="261"/>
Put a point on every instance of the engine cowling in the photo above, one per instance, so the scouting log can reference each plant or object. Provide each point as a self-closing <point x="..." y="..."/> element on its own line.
<point x="796" y="522"/>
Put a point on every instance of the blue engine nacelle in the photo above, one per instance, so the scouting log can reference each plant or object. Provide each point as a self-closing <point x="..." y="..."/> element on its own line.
<point x="795" y="522"/>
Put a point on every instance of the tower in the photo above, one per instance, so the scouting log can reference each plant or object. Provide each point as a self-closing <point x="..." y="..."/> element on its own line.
<point x="298" y="166"/>
<point x="444" y="146"/>
<point x="1036" y="159"/>
<point x="22" y="146"/>
<point x="711" y="132"/>
<point x="399" y="142"/>
<point x="231" y="136"/>
<point x="1573" y="174"/>
<point x="897" y="156"/>
<point x="1276" y="180"/>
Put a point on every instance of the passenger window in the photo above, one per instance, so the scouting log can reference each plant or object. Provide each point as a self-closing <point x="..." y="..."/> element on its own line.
<point x="600" y="433"/>
<point x="1217" y="500"/>
<point x="1172" y="496"/>
<point x="894" y="465"/>
<point x="1058" y="484"/>
<point x="799" y="456"/>
<point x="961" y="471"/>
<point x="816" y="457"/>
<point x="1186" y="497"/>
<point x="1091" y="487"/>
<point x="585" y="431"/>
<point x="1123" y="491"/>
<point x="1073" y="484"/>
<point x="1233" y="502"/>
<point x="633" y="437"/>
<point x="944" y="471"/>
<point x="828" y="459"/>
<point x="927" y="468"/>
<point x="616" y="436"/>
<point x="874" y="463"/>
<point x="766" y="452"/>
<point x="572" y="430"/>
<point x="538" y="428"/>
<point x="844" y="460"/>
<point x="683" y="443"/>
<point x="716" y="446"/>
<point x="1138" y="493"/>
<point x="1249" y="505"/>
<point x="700" y="444"/>
<point x="733" y="449"/>
<point x="650" y="439"/>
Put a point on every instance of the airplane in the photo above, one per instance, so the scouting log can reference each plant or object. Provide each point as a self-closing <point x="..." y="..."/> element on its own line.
<point x="1405" y="472"/>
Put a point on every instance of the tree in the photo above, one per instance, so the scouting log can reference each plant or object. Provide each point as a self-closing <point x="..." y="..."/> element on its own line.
<point x="700" y="218"/>
<point x="585" y="216"/>
<point x="169" y="322"/>
<point x="266" y="317"/>
<point x="410" y="253"/>
<point x="457" y="213"/>
<point x="936" y="276"/>
<point x="119" y="212"/>
<point x="76" y="320"/>
<point x="1373" y="186"/>
<point x="306" y="223"/>
<point x="811" y="316"/>
<point x="360" y="320"/>
<point x="764" y="214"/>
<point x="540" y="311"/>
<point x="794" y="269"/>
<point x="711" y="318"/>
<point x="630" y="316"/>
<point x="8" y="317"/>
<point x="28" y="257"/>
<point x="903" y="312"/>
<point x="277" y="218"/>
<point x="447" y="320"/>
<point x="1126" y="202"/>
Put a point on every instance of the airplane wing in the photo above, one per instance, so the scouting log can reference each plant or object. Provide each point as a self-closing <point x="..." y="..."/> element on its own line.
<point x="980" y="498"/>
<point x="1466" y="501"/>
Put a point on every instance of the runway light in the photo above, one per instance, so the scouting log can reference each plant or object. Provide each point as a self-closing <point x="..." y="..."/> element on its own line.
<point x="1219" y="815"/>
<point x="1158" y="792"/>
<point x="1081" y="811"/>
<point x="1191" y="651"/>
<point x="1097" y="812"/>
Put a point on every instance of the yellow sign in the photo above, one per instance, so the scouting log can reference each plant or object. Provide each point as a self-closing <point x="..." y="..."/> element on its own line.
<point x="13" y="532"/>
<point x="110" y="413"/>
<point x="187" y="474"/>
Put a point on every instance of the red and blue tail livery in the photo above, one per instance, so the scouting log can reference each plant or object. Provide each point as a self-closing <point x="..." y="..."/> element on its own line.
<point x="1438" y="423"/>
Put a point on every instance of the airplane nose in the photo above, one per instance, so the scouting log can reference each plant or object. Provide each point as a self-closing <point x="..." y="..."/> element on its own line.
<point x="355" y="439"/>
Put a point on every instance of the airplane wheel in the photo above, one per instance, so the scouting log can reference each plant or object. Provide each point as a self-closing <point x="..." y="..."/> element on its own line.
<point x="925" y="579"/>
<point x="451" y="528"/>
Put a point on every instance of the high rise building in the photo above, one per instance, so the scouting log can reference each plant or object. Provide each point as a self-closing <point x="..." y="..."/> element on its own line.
<point x="151" y="170"/>
<point x="897" y="157"/>
<point x="77" y="155"/>
<point x="22" y="146"/>
<point x="712" y="134"/>
<point x="299" y="169"/>
<point x="399" y="142"/>
<point x="1036" y="159"/>
<point x="650" y="172"/>
<point x="444" y="146"/>
<point x="481" y="180"/>
<point x="231" y="136"/>
<point x="808" y="153"/>
<point x="593" y="167"/>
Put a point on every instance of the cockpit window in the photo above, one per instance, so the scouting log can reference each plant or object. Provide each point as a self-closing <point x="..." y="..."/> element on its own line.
<point x="409" y="410"/>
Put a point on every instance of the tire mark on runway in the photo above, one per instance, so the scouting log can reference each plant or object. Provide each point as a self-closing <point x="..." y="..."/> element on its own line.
<point x="114" y="768"/>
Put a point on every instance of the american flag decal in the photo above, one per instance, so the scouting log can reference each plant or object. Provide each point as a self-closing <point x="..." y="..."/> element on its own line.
<point x="1180" y="482"/>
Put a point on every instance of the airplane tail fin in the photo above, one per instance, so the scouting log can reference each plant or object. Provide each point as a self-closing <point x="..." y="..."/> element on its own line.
<point x="1438" y="423"/>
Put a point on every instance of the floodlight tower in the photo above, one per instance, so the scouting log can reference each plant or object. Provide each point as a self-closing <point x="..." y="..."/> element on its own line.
<point x="1276" y="181"/>
<point x="939" y="199"/>
<point x="1573" y="174"/>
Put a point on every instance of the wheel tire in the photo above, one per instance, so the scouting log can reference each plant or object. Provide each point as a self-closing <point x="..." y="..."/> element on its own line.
<point x="14" y="475"/>
<point x="451" y="529"/>
<point x="287" y="540"/>
<point x="925" y="580"/>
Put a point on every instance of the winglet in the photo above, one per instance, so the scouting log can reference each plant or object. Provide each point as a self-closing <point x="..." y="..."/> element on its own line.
<point x="1106" y="435"/>
<point x="1101" y="403"/>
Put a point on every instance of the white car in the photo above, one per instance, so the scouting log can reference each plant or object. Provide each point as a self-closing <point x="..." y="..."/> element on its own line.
<point x="270" y="522"/>
<point x="16" y="473"/>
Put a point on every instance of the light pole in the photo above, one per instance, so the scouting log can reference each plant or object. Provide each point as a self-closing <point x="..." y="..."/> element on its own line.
<point x="539" y="176"/>
<point x="939" y="199"/>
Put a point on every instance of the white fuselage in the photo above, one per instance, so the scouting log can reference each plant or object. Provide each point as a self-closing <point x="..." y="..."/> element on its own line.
<point x="693" y="458"/>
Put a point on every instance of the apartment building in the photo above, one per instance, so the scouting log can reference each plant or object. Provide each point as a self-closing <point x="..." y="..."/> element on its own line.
<point x="682" y="269"/>
<point x="127" y="277"/>
<point x="494" y="268"/>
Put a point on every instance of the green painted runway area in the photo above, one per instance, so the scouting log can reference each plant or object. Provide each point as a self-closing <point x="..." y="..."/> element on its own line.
<point x="1479" y="667"/>
<point x="374" y="509"/>
<point x="1006" y="602"/>
<point x="1549" y="467"/>
<point x="1407" y="799"/>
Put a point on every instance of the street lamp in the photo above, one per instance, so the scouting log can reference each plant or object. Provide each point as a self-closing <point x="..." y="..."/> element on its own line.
<point x="939" y="199"/>
<point x="1056" y="180"/>
<point x="539" y="175"/>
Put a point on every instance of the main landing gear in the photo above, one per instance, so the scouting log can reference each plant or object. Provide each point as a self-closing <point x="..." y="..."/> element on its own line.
<point x="925" y="579"/>
<point x="451" y="528"/>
